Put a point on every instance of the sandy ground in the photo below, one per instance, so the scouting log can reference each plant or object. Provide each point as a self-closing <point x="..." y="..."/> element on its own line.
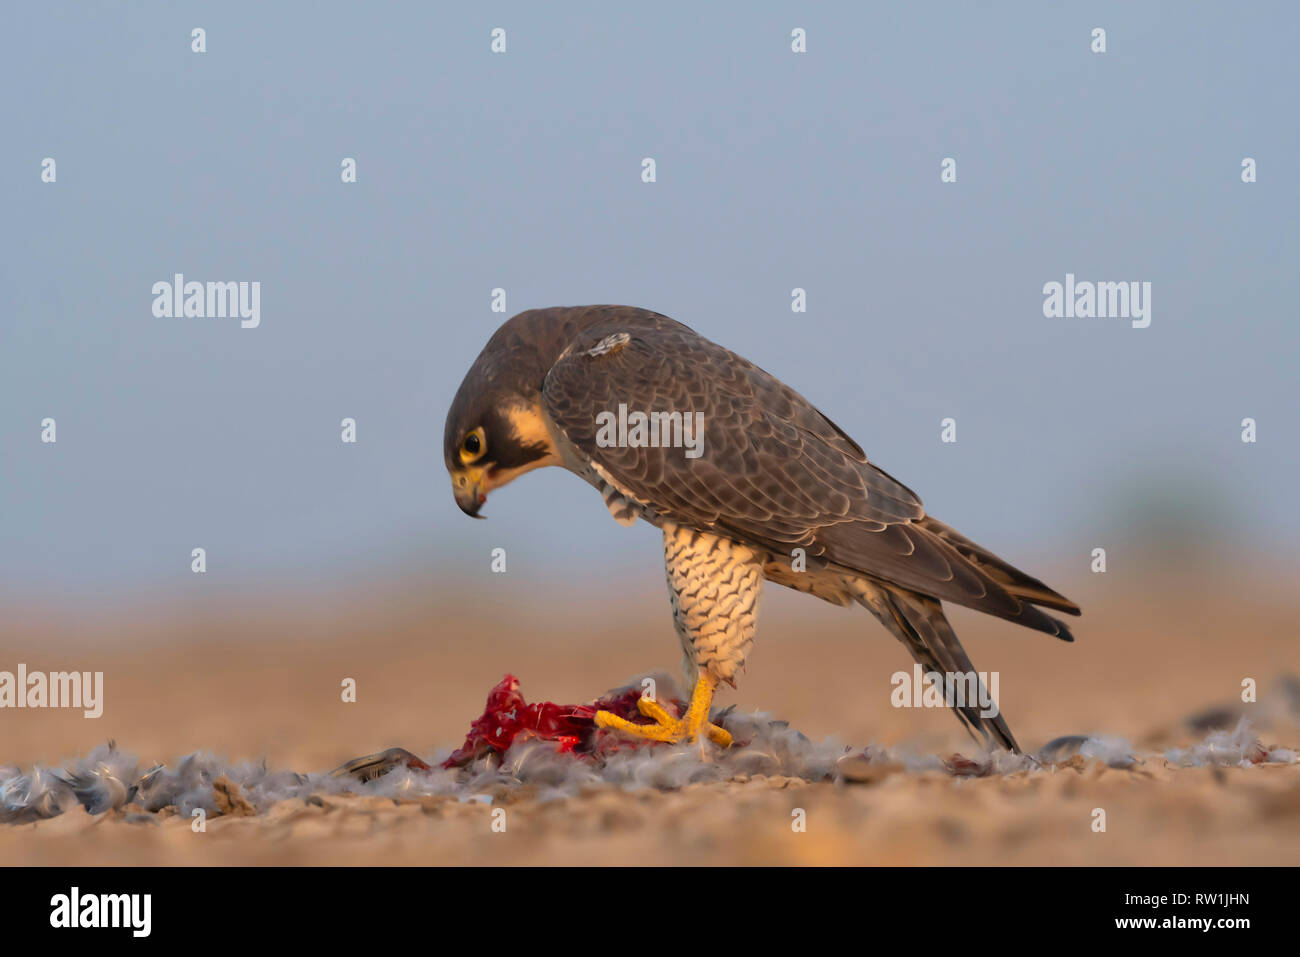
<point x="1146" y="659"/>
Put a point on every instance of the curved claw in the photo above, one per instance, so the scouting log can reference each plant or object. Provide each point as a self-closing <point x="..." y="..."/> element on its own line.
<point x="653" y="709"/>
<point x="719" y="736"/>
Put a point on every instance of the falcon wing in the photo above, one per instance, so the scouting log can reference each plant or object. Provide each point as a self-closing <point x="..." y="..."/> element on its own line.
<point x="774" y="470"/>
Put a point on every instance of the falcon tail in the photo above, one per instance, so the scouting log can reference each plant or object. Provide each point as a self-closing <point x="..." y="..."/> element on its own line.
<point x="920" y="624"/>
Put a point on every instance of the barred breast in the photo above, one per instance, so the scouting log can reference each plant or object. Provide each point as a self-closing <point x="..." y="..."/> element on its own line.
<point x="714" y="584"/>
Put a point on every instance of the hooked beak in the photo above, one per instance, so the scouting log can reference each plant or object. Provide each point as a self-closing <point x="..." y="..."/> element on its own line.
<point x="467" y="487"/>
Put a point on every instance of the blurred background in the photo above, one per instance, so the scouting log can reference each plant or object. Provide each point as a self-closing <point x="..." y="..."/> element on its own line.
<point x="523" y="171"/>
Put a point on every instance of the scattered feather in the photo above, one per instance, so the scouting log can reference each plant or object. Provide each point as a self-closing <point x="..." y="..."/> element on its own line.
<point x="1112" y="751"/>
<point x="1240" y="747"/>
<point x="555" y="752"/>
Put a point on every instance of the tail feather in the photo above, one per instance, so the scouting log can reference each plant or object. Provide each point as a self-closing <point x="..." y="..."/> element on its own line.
<point x="1016" y="582"/>
<point x="920" y="624"/>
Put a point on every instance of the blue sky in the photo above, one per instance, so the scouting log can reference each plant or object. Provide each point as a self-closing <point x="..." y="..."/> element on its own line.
<point x="522" y="171"/>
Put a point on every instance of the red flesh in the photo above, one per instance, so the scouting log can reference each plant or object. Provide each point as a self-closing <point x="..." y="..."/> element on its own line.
<point x="572" y="727"/>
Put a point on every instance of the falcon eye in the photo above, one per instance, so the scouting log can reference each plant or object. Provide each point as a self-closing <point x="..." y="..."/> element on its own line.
<point x="472" y="446"/>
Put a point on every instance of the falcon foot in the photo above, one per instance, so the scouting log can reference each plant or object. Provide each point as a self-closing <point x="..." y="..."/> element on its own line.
<point x="670" y="729"/>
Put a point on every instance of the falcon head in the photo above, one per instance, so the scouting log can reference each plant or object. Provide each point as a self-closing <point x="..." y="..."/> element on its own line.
<point x="492" y="437"/>
<point x="496" y="429"/>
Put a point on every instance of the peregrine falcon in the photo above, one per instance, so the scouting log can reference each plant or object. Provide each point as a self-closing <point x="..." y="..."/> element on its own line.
<point x="772" y="489"/>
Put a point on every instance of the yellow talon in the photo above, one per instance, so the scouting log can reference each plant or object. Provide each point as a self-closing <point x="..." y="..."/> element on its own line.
<point x="719" y="736"/>
<point x="653" y="709"/>
<point x="666" y="727"/>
